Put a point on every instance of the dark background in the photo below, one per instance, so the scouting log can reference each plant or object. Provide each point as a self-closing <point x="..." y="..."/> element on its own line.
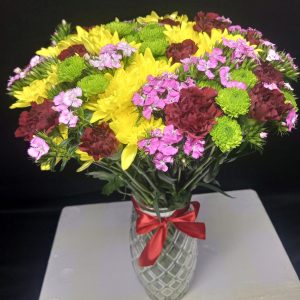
<point x="31" y="200"/>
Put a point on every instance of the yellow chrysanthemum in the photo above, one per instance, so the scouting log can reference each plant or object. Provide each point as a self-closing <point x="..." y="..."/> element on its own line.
<point x="177" y="34"/>
<point x="154" y="17"/>
<point x="125" y="83"/>
<point x="36" y="91"/>
<point x="129" y="129"/>
<point x="205" y="43"/>
<point x="93" y="40"/>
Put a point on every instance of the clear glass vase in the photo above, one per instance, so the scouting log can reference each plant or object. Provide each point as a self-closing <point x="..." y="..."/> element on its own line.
<point x="169" y="278"/>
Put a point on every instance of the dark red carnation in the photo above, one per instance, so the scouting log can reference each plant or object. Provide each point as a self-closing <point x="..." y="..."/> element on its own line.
<point x="253" y="36"/>
<point x="265" y="72"/>
<point x="99" y="141"/>
<point x="72" y="50"/>
<point x="267" y="104"/>
<point x="168" y="21"/>
<point x="182" y="50"/>
<point x="207" y="21"/>
<point x="41" y="117"/>
<point x="195" y="113"/>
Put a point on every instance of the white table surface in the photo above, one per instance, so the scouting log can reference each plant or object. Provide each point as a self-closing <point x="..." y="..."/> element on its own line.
<point x="242" y="257"/>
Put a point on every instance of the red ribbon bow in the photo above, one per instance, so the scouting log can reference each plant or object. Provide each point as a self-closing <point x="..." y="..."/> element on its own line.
<point x="182" y="219"/>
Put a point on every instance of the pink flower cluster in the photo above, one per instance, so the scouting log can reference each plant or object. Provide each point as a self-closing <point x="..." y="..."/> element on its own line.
<point x="164" y="146"/>
<point x="226" y="82"/>
<point x="205" y="65"/>
<point x="111" y="55"/>
<point x="158" y="92"/>
<point x="38" y="148"/>
<point x="19" y="73"/>
<point x="63" y="102"/>
<point x="291" y="119"/>
<point x="241" y="50"/>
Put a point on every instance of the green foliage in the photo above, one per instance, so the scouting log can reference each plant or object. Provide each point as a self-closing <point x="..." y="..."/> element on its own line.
<point x="233" y="101"/>
<point x="122" y="28"/>
<point x="61" y="32"/>
<point x="93" y="84"/>
<point x="157" y="47"/>
<point x="210" y="83"/>
<point x="70" y="69"/>
<point x="40" y="71"/>
<point x="114" y="182"/>
<point x="226" y="134"/>
<point x="251" y="130"/>
<point x="245" y="76"/>
<point x="286" y="66"/>
<point x="290" y="97"/>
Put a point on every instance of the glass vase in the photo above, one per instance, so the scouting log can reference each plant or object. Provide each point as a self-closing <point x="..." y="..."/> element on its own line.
<point x="169" y="278"/>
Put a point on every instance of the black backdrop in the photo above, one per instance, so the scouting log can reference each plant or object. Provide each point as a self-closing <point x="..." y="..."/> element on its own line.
<point x="31" y="200"/>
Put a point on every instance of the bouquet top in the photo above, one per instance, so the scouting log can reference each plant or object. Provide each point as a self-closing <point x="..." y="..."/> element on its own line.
<point x="158" y="91"/>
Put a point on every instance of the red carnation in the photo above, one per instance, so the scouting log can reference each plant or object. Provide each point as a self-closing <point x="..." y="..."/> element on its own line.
<point x="265" y="72"/>
<point x="195" y="113"/>
<point x="41" y="117"/>
<point x="72" y="50"/>
<point x="168" y="21"/>
<point x="206" y="22"/>
<point x="267" y="104"/>
<point x="182" y="50"/>
<point x="99" y="141"/>
<point x="253" y="36"/>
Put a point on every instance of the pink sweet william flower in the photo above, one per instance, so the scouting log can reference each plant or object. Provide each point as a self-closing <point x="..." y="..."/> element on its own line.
<point x="38" y="148"/>
<point x="226" y="82"/>
<point x="272" y="55"/>
<point x="68" y="118"/>
<point x="205" y="66"/>
<point x="271" y="86"/>
<point x="194" y="147"/>
<point x="291" y="119"/>
<point x="67" y="99"/>
<point x="126" y="49"/>
<point x="160" y="161"/>
<point x="171" y="135"/>
<point x="263" y="135"/>
<point x="150" y="146"/>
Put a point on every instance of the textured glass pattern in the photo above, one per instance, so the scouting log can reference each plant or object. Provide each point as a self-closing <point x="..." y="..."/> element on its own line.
<point x="170" y="276"/>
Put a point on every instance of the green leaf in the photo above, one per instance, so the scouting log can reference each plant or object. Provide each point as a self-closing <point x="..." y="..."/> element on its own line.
<point x="102" y="175"/>
<point x="214" y="188"/>
<point x="112" y="186"/>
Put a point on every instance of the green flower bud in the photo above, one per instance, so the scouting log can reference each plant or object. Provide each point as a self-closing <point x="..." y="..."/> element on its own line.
<point x="70" y="69"/>
<point x="226" y="134"/>
<point x="93" y="84"/>
<point x="234" y="102"/>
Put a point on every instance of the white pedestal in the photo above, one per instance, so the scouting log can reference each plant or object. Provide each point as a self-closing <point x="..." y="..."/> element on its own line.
<point x="242" y="257"/>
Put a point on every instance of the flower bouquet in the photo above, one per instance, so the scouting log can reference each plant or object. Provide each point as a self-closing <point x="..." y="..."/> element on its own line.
<point x="154" y="106"/>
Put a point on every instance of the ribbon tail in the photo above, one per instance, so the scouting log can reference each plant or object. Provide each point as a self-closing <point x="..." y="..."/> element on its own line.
<point x="196" y="230"/>
<point x="154" y="247"/>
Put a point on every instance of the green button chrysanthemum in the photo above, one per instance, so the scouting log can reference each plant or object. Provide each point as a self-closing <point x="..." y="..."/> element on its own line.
<point x="226" y="134"/>
<point x="70" y="69"/>
<point x="245" y="76"/>
<point x="152" y="32"/>
<point x="157" y="47"/>
<point x="122" y="28"/>
<point x="93" y="84"/>
<point x="234" y="102"/>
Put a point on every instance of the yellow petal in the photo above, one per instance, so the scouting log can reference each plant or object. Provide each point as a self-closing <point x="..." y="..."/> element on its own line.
<point x="84" y="166"/>
<point x="128" y="156"/>
<point x="45" y="166"/>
